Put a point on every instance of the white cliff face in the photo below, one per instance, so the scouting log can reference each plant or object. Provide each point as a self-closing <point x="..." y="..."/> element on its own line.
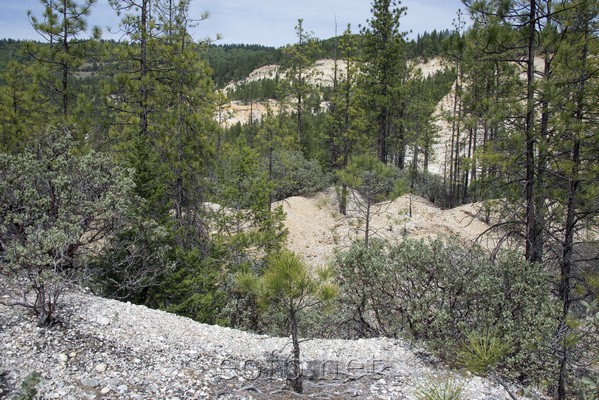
<point x="322" y="74"/>
<point x="107" y="349"/>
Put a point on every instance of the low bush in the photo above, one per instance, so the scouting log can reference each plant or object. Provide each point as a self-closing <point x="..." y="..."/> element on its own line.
<point x="448" y="389"/>
<point x="57" y="208"/>
<point x="441" y="292"/>
<point x="294" y="175"/>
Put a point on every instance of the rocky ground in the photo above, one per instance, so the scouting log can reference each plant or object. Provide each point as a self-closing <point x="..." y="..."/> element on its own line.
<point x="105" y="349"/>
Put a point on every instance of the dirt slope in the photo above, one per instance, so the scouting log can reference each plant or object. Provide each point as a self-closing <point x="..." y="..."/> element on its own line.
<point x="316" y="228"/>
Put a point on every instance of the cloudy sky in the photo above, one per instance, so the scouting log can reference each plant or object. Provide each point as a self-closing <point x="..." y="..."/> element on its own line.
<point x="267" y="22"/>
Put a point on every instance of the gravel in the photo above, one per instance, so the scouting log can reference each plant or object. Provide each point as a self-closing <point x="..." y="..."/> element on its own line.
<point x="106" y="349"/>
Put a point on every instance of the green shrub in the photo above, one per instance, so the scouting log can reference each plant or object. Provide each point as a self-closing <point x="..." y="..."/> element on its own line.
<point x="29" y="387"/>
<point x="440" y="292"/>
<point x="448" y="389"/>
<point x="482" y="352"/>
<point x="294" y="175"/>
<point x="57" y="207"/>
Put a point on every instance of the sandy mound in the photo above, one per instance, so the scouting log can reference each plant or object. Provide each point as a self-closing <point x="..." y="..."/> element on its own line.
<point x="316" y="228"/>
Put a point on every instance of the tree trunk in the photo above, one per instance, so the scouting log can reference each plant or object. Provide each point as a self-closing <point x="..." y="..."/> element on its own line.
<point x="65" y="64"/>
<point x="143" y="68"/>
<point x="367" y="228"/>
<point x="296" y="381"/>
<point x="570" y="227"/>
<point x="533" y="242"/>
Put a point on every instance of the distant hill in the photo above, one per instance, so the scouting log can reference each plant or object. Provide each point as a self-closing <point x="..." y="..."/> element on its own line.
<point x="233" y="62"/>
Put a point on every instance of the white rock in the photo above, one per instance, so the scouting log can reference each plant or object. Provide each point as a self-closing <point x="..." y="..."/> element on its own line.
<point x="101" y="367"/>
<point x="89" y="382"/>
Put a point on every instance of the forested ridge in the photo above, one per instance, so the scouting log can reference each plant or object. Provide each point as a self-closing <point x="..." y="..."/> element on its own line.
<point x="118" y="173"/>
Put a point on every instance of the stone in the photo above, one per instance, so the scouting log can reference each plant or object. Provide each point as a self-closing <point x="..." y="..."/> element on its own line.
<point x="89" y="383"/>
<point x="101" y="367"/>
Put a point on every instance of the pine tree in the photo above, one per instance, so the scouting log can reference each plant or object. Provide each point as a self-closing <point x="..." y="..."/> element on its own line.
<point x="573" y="167"/>
<point x="63" y="27"/>
<point x="132" y="96"/>
<point x="345" y="118"/>
<point x="287" y="283"/>
<point x="21" y="108"/>
<point x="183" y="81"/>
<point x="546" y="137"/>
<point x="384" y="70"/>
<point x="299" y="60"/>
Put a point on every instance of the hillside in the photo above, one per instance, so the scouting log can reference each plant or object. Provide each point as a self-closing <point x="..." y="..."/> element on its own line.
<point x="105" y="349"/>
<point x="320" y="75"/>
<point x="316" y="228"/>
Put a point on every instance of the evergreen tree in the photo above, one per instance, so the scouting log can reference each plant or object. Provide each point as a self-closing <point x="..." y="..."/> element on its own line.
<point x="543" y="149"/>
<point x="346" y="118"/>
<point x="384" y="72"/>
<point x="299" y="59"/>
<point x="186" y="108"/>
<point x="63" y="26"/>
<point x="373" y="182"/>
<point x="22" y="110"/>
<point x="132" y="97"/>
<point x="288" y="283"/>
<point x="456" y="55"/>
<point x="572" y="130"/>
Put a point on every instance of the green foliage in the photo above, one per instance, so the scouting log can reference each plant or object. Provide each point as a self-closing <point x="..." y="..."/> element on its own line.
<point x="384" y="70"/>
<point x="287" y="283"/>
<point x="293" y="175"/>
<point x="57" y="206"/>
<point x="374" y="180"/>
<point x="29" y="387"/>
<point x="586" y="338"/>
<point x="439" y="292"/>
<point x="482" y="352"/>
<point x="448" y="389"/>
<point x="287" y="278"/>
<point x="194" y="288"/>
<point x="63" y="26"/>
<point x="244" y="225"/>
<point x="298" y="60"/>
<point x="233" y="62"/>
<point x="20" y="113"/>
<point x="260" y="90"/>
<point x="428" y="44"/>
<point x="133" y="262"/>
<point x="11" y="50"/>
